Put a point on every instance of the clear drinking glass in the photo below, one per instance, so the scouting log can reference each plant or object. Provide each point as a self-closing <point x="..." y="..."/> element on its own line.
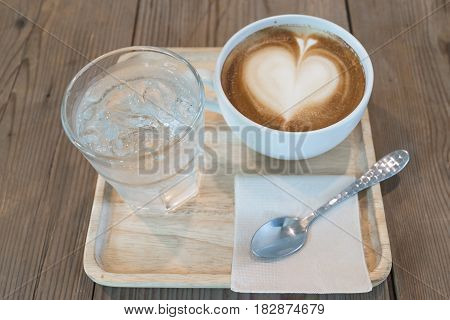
<point x="136" y="114"/>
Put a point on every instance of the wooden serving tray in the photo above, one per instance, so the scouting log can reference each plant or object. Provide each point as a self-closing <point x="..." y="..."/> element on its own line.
<point x="192" y="247"/>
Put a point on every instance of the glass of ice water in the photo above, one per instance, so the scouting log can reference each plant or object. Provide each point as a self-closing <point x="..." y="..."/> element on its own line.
<point x="136" y="114"/>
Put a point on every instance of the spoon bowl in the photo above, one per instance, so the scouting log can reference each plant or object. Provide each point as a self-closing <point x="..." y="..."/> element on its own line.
<point x="279" y="237"/>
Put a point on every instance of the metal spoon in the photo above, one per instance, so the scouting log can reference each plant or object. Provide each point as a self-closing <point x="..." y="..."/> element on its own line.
<point x="283" y="236"/>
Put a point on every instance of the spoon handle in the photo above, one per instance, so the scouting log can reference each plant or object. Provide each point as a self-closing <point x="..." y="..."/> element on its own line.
<point x="386" y="167"/>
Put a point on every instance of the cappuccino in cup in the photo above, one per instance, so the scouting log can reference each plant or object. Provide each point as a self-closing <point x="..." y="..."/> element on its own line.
<point x="291" y="86"/>
<point x="293" y="78"/>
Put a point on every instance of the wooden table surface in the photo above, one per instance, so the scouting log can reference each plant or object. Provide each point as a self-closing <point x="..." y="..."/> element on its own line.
<point x="47" y="187"/>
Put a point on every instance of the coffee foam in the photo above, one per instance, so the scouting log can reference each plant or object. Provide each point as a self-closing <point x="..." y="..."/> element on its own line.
<point x="293" y="78"/>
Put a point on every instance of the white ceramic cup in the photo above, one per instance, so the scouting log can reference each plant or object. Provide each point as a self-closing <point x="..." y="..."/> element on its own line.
<point x="283" y="144"/>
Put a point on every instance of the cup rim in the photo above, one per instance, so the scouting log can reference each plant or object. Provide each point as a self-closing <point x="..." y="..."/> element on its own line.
<point x="363" y="57"/>
<point x="92" y="153"/>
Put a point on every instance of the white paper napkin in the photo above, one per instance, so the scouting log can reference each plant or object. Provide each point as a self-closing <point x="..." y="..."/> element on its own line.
<point x="332" y="261"/>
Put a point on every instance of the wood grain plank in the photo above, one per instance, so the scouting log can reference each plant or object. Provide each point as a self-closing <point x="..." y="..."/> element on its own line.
<point x="47" y="186"/>
<point x="210" y="23"/>
<point x="14" y="32"/>
<point x="379" y="292"/>
<point x="169" y="294"/>
<point x="409" y="109"/>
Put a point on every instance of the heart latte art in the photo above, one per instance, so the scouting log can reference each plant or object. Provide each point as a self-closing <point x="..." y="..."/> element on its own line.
<point x="293" y="78"/>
